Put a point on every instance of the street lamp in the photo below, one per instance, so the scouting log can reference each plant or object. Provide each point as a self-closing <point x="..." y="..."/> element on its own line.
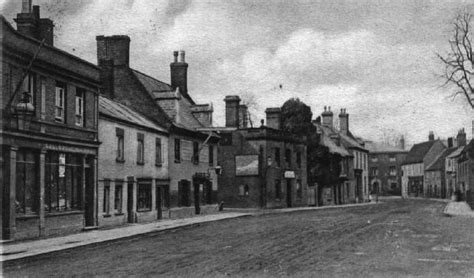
<point x="24" y="111"/>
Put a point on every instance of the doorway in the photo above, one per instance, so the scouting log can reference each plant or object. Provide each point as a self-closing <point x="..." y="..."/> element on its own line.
<point x="197" y="206"/>
<point x="288" y="193"/>
<point x="90" y="196"/>
<point x="159" y="202"/>
<point x="130" y="201"/>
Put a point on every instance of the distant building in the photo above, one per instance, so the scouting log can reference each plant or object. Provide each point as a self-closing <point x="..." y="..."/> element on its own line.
<point x="133" y="148"/>
<point x="262" y="167"/>
<point x="193" y="155"/>
<point x="435" y="175"/>
<point x="419" y="157"/>
<point x="451" y="165"/>
<point x="465" y="173"/>
<point x="48" y="132"/>
<point x="385" y="170"/>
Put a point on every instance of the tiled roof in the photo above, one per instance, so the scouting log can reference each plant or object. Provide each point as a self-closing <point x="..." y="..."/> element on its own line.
<point x="328" y="142"/>
<point x="119" y="111"/>
<point x="348" y="141"/>
<point x="151" y="84"/>
<point x="375" y="147"/>
<point x="418" y="152"/>
<point x="439" y="162"/>
<point x="457" y="152"/>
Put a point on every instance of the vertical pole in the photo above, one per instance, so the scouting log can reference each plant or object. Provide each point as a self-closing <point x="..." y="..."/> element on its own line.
<point x="11" y="228"/>
<point x="42" y="180"/>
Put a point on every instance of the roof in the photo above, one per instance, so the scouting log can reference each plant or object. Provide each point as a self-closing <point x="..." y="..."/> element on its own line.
<point x="329" y="143"/>
<point x="151" y="84"/>
<point x="456" y="152"/>
<point x="119" y="111"/>
<point x="375" y="147"/>
<point x="418" y="152"/>
<point x="439" y="162"/>
<point x="347" y="140"/>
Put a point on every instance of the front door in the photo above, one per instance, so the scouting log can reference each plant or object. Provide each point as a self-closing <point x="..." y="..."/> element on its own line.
<point x="130" y="202"/>
<point x="159" y="201"/>
<point x="196" y="197"/>
<point x="288" y="193"/>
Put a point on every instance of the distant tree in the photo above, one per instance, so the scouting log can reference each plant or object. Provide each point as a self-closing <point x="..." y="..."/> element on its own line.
<point x="296" y="117"/>
<point x="459" y="61"/>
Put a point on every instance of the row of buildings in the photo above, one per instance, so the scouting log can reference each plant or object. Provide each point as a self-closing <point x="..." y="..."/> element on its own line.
<point x="440" y="169"/>
<point x="93" y="145"/>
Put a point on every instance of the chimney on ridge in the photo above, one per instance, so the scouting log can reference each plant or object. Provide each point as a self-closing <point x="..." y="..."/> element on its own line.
<point x="232" y="104"/>
<point x="273" y="117"/>
<point x="29" y="23"/>
<point x="461" y="138"/>
<point x="344" y="121"/>
<point x="327" y="116"/>
<point x="179" y="73"/>
<point x="431" y="136"/>
<point x="115" y="48"/>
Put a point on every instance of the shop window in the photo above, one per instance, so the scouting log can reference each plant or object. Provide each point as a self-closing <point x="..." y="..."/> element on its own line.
<point x="79" y="101"/>
<point x="140" y="148"/>
<point x="106" y="201"/>
<point x="144" y="197"/>
<point x="119" y="133"/>
<point x="118" y="196"/>
<point x="278" y="192"/>
<point x="195" y="152"/>
<point x="299" y="189"/>
<point x="27" y="195"/>
<point x="63" y="185"/>
<point x="177" y="150"/>
<point x="211" y="155"/>
<point x="158" y="154"/>
<point x="59" y="102"/>
<point x="277" y="157"/>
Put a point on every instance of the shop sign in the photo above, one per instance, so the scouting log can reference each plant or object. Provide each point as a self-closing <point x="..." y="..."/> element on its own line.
<point x="289" y="175"/>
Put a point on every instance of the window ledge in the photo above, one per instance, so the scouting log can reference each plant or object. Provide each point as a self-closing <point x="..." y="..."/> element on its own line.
<point x="119" y="160"/>
<point x="119" y="214"/>
<point x="140" y="163"/>
<point x="177" y="161"/>
<point x="106" y="215"/>
<point x="60" y="213"/>
<point x="158" y="164"/>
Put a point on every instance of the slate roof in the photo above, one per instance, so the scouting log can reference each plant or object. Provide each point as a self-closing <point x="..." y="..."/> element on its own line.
<point x="348" y="141"/>
<point x="439" y="162"/>
<point x="418" y="152"/>
<point x="328" y="142"/>
<point x="375" y="147"/>
<point x="151" y="84"/>
<point x="457" y="152"/>
<point x="122" y="112"/>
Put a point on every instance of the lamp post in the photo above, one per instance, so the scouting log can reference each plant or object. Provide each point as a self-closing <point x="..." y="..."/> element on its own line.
<point x="24" y="111"/>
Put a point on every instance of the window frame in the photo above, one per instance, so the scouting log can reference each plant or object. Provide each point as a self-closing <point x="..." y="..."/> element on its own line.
<point x="140" y="148"/>
<point x="144" y="199"/>
<point x="211" y="155"/>
<point x="79" y="101"/>
<point x="158" y="152"/>
<point x="59" y="102"/>
<point x="118" y="197"/>
<point x="106" y="198"/>
<point x="195" y="158"/>
<point x="120" y="147"/>
<point x="177" y="150"/>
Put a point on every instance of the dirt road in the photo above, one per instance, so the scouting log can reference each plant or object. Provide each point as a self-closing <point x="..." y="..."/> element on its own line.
<point x="396" y="238"/>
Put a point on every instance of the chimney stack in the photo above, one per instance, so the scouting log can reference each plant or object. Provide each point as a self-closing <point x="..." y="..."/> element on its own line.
<point x="450" y="142"/>
<point x="29" y="23"/>
<point x="243" y="116"/>
<point x="179" y="73"/>
<point x="232" y="104"/>
<point x="402" y="143"/>
<point x="115" y="48"/>
<point x="344" y="121"/>
<point x="273" y="117"/>
<point x="327" y="116"/>
<point x="461" y="138"/>
<point x="431" y="136"/>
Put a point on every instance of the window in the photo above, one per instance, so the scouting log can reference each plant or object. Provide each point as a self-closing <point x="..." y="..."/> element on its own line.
<point x="288" y="158"/>
<point x="391" y="158"/>
<point x="299" y="189"/>
<point x="177" y="150"/>
<point x="27" y="193"/>
<point x="118" y="197"/>
<point x="29" y="86"/>
<point x="140" y="148"/>
<point x="120" y="144"/>
<point x="374" y="171"/>
<point x="59" y="102"/>
<point x="392" y="171"/>
<point x="158" y="154"/>
<point x="211" y="155"/>
<point x="278" y="189"/>
<point x="79" y="107"/>
<point x="106" y="203"/>
<point x="43" y="97"/>
<point x="298" y="159"/>
<point x="244" y="190"/>
<point x="195" y="152"/>
<point x="277" y="157"/>
<point x="144" y="197"/>
<point x="63" y="182"/>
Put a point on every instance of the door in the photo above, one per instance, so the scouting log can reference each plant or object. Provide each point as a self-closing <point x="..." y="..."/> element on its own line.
<point x="159" y="201"/>
<point x="196" y="198"/>
<point x="130" y="202"/>
<point x="288" y="193"/>
<point x="90" y="197"/>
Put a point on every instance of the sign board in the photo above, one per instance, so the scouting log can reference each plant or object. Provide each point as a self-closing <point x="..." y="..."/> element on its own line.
<point x="62" y="165"/>
<point x="289" y="175"/>
<point x="246" y="165"/>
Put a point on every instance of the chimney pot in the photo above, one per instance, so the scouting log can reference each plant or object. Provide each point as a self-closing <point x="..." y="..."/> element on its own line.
<point x="175" y="54"/>
<point x="26" y="6"/>
<point x="181" y="56"/>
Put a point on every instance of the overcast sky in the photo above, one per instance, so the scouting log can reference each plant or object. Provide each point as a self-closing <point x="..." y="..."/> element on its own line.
<point x="377" y="59"/>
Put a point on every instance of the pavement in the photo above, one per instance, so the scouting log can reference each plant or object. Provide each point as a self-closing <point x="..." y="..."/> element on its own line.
<point x="14" y="250"/>
<point x="458" y="209"/>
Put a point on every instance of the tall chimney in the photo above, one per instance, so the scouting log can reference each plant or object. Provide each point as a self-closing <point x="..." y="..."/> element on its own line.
<point x="450" y="142"/>
<point x="344" y="121"/>
<point x="273" y="117"/>
<point x="327" y="116"/>
<point x="27" y="22"/>
<point x="232" y="104"/>
<point x="402" y="143"/>
<point x="431" y="136"/>
<point x="461" y="138"/>
<point x="115" y="48"/>
<point x="243" y="116"/>
<point x="179" y="73"/>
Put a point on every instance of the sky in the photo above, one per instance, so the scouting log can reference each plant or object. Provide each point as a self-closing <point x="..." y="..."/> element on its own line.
<point x="377" y="59"/>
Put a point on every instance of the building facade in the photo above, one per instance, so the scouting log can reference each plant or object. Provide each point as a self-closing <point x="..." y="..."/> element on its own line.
<point x="451" y="165"/>
<point x="385" y="168"/>
<point x="262" y="167"/>
<point x="49" y="134"/>
<point x="193" y="156"/>
<point x="465" y="172"/>
<point x="133" y="182"/>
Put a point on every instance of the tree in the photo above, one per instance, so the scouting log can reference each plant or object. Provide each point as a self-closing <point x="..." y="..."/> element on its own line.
<point x="459" y="61"/>
<point x="296" y="117"/>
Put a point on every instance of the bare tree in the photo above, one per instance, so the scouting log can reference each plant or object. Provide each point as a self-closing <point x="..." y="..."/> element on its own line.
<point x="459" y="61"/>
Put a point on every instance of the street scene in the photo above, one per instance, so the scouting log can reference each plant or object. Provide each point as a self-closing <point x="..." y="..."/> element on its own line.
<point x="390" y="239"/>
<point x="198" y="138"/>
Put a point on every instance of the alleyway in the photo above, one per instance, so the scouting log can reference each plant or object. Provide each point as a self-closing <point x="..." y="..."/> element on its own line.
<point x="398" y="237"/>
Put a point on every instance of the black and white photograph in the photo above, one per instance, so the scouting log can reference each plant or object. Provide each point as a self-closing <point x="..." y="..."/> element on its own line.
<point x="237" y="138"/>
